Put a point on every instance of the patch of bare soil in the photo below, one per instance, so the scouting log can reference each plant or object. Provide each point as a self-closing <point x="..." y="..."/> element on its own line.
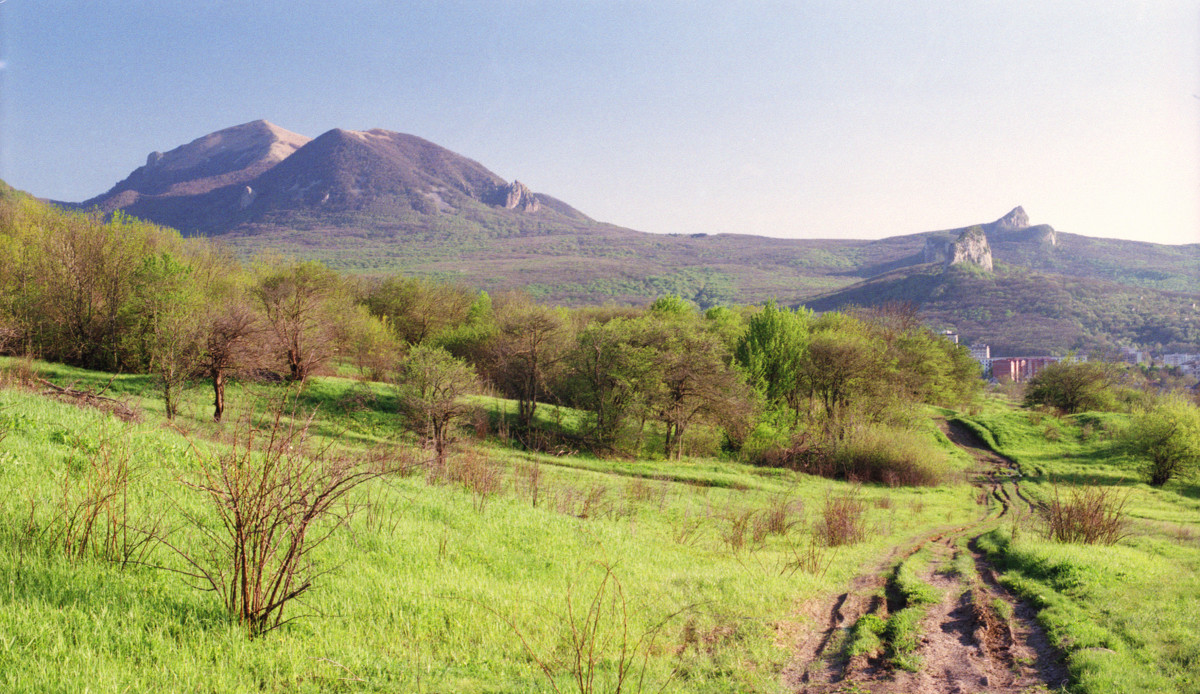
<point x="977" y="638"/>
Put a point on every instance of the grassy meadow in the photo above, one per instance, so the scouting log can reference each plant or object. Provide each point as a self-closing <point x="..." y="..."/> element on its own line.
<point x="535" y="572"/>
<point x="1126" y="615"/>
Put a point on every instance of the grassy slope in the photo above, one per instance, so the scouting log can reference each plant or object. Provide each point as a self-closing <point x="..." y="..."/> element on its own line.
<point x="1017" y="311"/>
<point x="422" y="576"/>
<point x="1126" y="615"/>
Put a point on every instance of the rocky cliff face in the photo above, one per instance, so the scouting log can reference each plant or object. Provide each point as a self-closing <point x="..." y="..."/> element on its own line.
<point x="517" y="196"/>
<point x="971" y="246"/>
<point x="1014" y="226"/>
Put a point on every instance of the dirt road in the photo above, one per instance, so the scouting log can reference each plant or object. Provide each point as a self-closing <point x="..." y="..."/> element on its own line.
<point x="976" y="638"/>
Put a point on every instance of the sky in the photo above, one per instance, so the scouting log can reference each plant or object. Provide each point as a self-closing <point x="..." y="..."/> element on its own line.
<point x="833" y="119"/>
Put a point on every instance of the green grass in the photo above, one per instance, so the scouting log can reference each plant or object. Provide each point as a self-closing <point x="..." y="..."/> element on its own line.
<point x="1127" y="616"/>
<point x="426" y="592"/>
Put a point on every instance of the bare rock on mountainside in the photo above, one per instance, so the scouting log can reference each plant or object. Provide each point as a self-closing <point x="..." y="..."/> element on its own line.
<point x="227" y="157"/>
<point x="971" y="247"/>
<point x="517" y="196"/>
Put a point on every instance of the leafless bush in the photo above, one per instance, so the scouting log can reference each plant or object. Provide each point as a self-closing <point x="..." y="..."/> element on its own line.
<point x="93" y="515"/>
<point x="733" y="530"/>
<point x="478" y="475"/>
<point x="1090" y="515"/>
<point x="596" y="503"/>
<point x="19" y="374"/>
<point x="685" y="529"/>
<point x="843" y="519"/>
<point x="780" y="516"/>
<point x="272" y="500"/>
<point x="811" y="555"/>
<point x="531" y="477"/>
<point x="598" y="651"/>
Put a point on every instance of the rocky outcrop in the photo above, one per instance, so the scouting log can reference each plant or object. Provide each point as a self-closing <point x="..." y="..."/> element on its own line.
<point x="1013" y="221"/>
<point x="1014" y="226"/>
<point x="971" y="246"/>
<point x="517" y="196"/>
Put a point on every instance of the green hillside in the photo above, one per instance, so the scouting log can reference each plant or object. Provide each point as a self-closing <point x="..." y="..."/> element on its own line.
<point x="1020" y="311"/>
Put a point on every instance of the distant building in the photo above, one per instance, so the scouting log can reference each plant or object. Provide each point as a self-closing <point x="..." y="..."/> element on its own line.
<point x="983" y="355"/>
<point x="1134" y="356"/>
<point x="1019" y="369"/>
<point x="950" y="335"/>
<point x="1187" y="363"/>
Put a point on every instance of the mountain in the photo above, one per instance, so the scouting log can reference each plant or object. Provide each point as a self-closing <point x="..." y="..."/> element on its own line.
<point x="378" y="202"/>
<point x="258" y="176"/>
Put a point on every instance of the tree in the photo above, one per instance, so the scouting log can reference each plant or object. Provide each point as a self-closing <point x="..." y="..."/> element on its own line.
<point x="432" y="387"/>
<point x="530" y="341"/>
<point x="1071" y="387"/>
<point x="771" y="352"/>
<point x="695" y="382"/>
<point x="846" y="368"/>
<point x="611" y="366"/>
<point x="169" y="333"/>
<point x="1167" y="437"/>
<point x="418" y="309"/>
<point x="228" y="345"/>
<point x="302" y="304"/>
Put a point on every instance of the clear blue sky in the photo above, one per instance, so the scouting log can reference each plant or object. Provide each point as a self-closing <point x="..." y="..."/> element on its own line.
<point x="794" y="119"/>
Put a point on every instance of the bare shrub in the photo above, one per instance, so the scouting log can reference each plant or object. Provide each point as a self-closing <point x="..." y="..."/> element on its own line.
<point x="597" y="650"/>
<point x="733" y="531"/>
<point x="478" y="475"/>
<point x="19" y="374"/>
<point x="596" y="503"/>
<point x="93" y="515"/>
<point x="685" y="529"/>
<point x="884" y="502"/>
<point x="272" y="500"/>
<point x="778" y="518"/>
<point x="1089" y="515"/>
<point x="812" y="556"/>
<point x="531" y="477"/>
<point x="843" y="519"/>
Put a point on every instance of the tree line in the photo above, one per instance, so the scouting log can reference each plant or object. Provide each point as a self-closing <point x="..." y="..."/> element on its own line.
<point x="125" y="295"/>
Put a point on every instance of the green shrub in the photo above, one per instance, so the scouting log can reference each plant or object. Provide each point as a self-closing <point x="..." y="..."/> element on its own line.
<point x="894" y="457"/>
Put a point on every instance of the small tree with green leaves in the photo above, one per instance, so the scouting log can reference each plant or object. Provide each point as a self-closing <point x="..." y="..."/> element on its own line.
<point x="432" y="386"/>
<point x="1072" y="387"/>
<point x="1167" y="437"/>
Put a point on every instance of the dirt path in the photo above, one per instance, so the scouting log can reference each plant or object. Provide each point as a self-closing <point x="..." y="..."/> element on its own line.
<point x="976" y="636"/>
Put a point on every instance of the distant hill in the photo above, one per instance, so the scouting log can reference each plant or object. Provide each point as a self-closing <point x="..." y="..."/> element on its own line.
<point x="1018" y="311"/>
<point x="376" y="202"/>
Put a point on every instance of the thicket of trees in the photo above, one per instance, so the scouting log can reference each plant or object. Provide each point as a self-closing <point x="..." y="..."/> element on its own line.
<point x="124" y="295"/>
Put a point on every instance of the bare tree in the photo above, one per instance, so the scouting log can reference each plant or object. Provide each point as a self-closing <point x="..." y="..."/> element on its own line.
<point x="228" y="346"/>
<point x="300" y="305"/>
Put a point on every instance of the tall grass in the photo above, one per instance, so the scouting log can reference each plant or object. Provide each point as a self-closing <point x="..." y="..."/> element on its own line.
<point x="895" y="457"/>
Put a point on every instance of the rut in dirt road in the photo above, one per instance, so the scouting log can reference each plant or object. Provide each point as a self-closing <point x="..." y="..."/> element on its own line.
<point x="970" y="634"/>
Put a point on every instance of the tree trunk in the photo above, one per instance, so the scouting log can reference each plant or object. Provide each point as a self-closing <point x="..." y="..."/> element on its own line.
<point x="218" y="378"/>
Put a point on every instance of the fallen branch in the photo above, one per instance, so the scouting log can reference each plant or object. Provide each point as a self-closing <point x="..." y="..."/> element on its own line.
<point x="92" y="398"/>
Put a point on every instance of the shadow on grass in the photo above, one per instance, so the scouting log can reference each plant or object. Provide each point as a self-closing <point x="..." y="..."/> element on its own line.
<point x="88" y="587"/>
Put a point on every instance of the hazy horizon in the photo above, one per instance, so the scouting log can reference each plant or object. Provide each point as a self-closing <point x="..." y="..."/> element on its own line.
<point x="792" y="120"/>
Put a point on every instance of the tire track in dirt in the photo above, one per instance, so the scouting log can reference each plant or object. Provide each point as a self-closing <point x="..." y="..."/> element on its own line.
<point x="977" y="638"/>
